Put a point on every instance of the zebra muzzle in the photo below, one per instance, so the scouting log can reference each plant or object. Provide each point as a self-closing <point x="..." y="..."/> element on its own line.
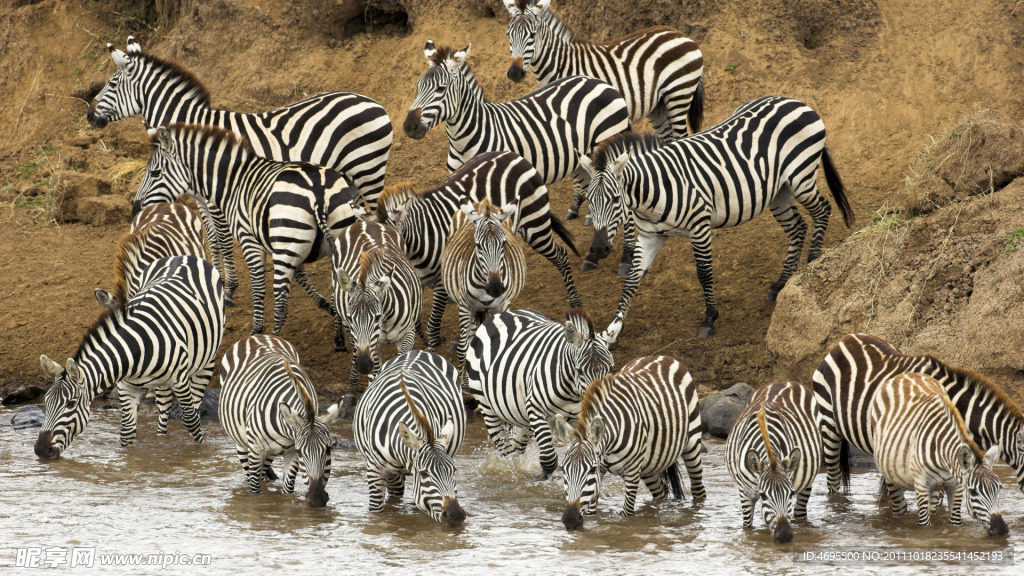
<point x="783" y="532"/>
<point x="572" y="518"/>
<point x="44" y="445"/>
<point x="317" y="496"/>
<point x="516" y="72"/>
<point x="452" y="514"/>
<point x="997" y="526"/>
<point x="95" y="120"/>
<point x="412" y="126"/>
<point x="495" y="287"/>
<point x="364" y="361"/>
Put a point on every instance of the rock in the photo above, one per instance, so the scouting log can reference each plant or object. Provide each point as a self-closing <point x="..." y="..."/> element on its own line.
<point x="860" y="458"/>
<point x="719" y="412"/>
<point x="104" y="210"/>
<point x="346" y="444"/>
<point x="83" y="141"/>
<point x="207" y="409"/>
<point x="28" y="417"/>
<point x="72" y="187"/>
<point x="23" y="394"/>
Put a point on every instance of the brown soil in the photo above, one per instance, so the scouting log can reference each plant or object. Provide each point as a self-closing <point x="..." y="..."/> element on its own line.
<point x="884" y="74"/>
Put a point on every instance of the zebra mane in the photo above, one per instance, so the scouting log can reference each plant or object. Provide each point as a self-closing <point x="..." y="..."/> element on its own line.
<point x="764" y="435"/>
<point x="637" y="142"/>
<point x="307" y="400"/>
<point x="558" y="26"/>
<point x="421" y="421"/>
<point x="962" y="427"/>
<point x="106" y="321"/>
<point x="575" y="315"/>
<point x="441" y="54"/>
<point x="200" y="91"/>
<point x="369" y="261"/>
<point x="128" y="249"/>
<point x="591" y="403"/>
<point x="971" y="378"/>
<point x="208" y="135"/>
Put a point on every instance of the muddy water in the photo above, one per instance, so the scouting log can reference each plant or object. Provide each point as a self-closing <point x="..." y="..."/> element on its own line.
<point x="169" y="495"/>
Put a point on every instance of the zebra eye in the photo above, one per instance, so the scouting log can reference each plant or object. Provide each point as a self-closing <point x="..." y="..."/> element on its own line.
<point x="155" y="173"/>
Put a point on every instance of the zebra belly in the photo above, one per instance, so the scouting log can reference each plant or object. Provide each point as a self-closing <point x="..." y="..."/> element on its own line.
<point x="660" y="228"/>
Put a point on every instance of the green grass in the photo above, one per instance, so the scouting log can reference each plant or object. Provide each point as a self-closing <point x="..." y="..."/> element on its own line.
<point x="32" y="202"/>
<point x="730" y="67"/>
<point x="1011" y="240"/>
<point x="29" y="167"/>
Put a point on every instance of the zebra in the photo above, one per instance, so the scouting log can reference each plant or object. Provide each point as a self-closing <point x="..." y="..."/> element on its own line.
<point x="922" y="443"/>
<point x="482" y="267"/>
<point x="347" y="132"/>
<point x="550" y="127"/>
<point x="847" y="379"/>
<point x="378" y="293"/>
<point x="636" y="424"/>
<point x="773" y="452"/>
<point x="414" y="394"/>
<point x="524" y="369"/>
<point x="268" y="407"/>
<point x="167" y="334"/>
<point x="424" y="219"/>
<point x="279" y="208"/>
<point x="765" y="155"/>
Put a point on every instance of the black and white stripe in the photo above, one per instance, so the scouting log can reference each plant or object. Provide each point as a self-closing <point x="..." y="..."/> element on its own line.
<point x="268" y="406"/>
<point x="524" y="368"/>
<point x="765" y="155"/>
<point x="415" y="394"/>
<point x="165" y="335"/>
<point x="636" y="424"/>
<point x="773" y="453"/>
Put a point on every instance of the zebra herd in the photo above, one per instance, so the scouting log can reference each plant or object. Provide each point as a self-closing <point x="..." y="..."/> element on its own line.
<point x="307" y="180"/>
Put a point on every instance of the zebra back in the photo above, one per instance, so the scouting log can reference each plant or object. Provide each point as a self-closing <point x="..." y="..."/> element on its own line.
<point x="159" y="231"/>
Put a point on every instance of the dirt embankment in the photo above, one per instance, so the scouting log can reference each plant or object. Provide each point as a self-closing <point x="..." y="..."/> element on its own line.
<point x="884" y="74"/>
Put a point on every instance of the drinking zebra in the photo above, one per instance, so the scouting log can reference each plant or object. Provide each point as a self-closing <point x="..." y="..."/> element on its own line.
<point x="273" y="208"/>
<point x="425" y="219"/>
<point x="849" y="376"/>
<point x="636" y="424"/>
<point x="268" y="407"/>
<point x="482" y="267"/>
<point x="765" y="155"/>
<point x="378" y="295"/>
<point x="524" y="369"/>
<point x="415" y="394"/>
<point x="773" y="452"/>
<point x="167" y="334"/>
<point x="550" y="127"/>
<point x="921" y="443"/>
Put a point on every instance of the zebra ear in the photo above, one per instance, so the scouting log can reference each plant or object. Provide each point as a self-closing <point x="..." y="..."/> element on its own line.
<point x="346" y="283"/>
<point x="965" y="457"/>
<point x="291" y="417"/>
<point x="106" y="299"/>
<point x="133" y="46"/>
<point x="164" y="136"/>
<point x="410" y="438"/>
<point x="991" y="455"/>
<point x="446" y="433"/>
<point x="573" y="336"/>
<point x="754" y="462"/>
<point x="460" y="56"/>
<point x="619" y="163"/>
<point x="587" y="165"/>
<point x="1020" y="442"/>
<point x="330" y="416"/>
<point x="429" y="50"/>
<point x="382" y="284"/>
<point x="72" y="369"/>
<point x="543" y="4"/>
<point x="506" y="211"/>
<point x="562" y="429"/>
<point x="790" y="462"/>
<point x="595" y="430"/>
<point x="120" y="58"/>
<point x="510" y="5"/>
<point x="50" y="368"/>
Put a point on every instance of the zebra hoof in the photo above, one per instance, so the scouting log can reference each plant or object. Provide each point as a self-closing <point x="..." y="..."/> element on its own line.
<point x="588" y="266"/>
<point x="270" y="474"/>
<point x="452" y="347"/>
<point x="570" y="215"/>
<point x="588" y="221"/>
<point x="624" y="269"/>
<point x="771" y="296"/>
<point x="706" y="332"/>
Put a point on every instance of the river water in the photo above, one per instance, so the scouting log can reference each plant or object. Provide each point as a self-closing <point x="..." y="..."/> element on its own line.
<point x="168" y="495"/>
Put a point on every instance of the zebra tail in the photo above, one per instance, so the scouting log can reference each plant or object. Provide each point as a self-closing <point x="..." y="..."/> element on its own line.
<point x="695" y="115"/>
<point x="844" y="466"/>
<point x="563" y="233"/>
<point x="836" y="186"/>
<point x="882" y="497"/>
<point x="671" y="475"/>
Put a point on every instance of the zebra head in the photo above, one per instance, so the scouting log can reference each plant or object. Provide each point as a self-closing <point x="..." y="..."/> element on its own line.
<point x="120" y="97"/>
<point x="439" y="91"/>
<point x="981" y="487"/>
<point x="590" y="355"/>
<point x="522" y="33"/>
<point x="313" y="441"/>
<point x="67" y="408"/>
<point x="433" y="470"/>
<point x="775" y="490"/>
<point x="581" y="468"/>
<point x="606" y="213"/>
<point x="166" y="177"/>
<point x="490" y="235"/>
<point x="363" y="307"/>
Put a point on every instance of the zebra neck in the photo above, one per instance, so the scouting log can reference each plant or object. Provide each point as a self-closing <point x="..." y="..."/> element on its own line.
<point x="103" y="357"/>
<point x="178" y="100"/>
<point x="1002" y="419"/>
<point x="556" y="55"/>
<point x="473" y="116"/>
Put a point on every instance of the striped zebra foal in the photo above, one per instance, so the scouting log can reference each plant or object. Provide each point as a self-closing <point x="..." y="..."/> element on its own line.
<point x="275" y="208"/>
<point x="394" y="427"/>
<point x="765" y="155"/>
<point x="482" y="267"/>
<point x="378" y="295"/>
<point x="167" y="334"/>
<point x="425" y="219"/>
<point x="268" y="407"/>
<point x="524" y="369"/>
<point x="922" y="444"/>
<point x="773" y="453"/>
<point x="848" y="377"/>
<point x="636" y="424"/>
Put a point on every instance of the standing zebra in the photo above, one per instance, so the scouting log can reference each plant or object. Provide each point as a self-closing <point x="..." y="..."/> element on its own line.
<point x="848" y="377"/>
<point x="165" y="335"/>
<point x="765" y="155"/>
<point x="415" y="394"/>
<point x="274" y="208"/>
<point x="524" y="369"/>
<point x="550" y="127"/>
<point x="425" y="219"/>
<point x="482" y="267"/>
<point x="773" y="453"/>
<point x="636" y="424"/>
<point x="268" y="406"/>
<point x="921" y="443"/>
<point x="378" y="295"/>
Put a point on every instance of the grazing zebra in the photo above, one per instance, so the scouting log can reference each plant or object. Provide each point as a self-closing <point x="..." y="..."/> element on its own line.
<point x="167" y="334"/>
<point x="550" y="127"/>
<point x="848" y="377"/>
<point x="773" y="453"/>
<point x="636" y="424"/>
<point x="425" y="219"/>
<point x="922" y="444"/>
<point x="379" y="295"/>
<point x="765" y="155"/>
<point x="347" y="132"/>
<point x="415" y="394"/>
<point x="275" y="208"/>
<point x="524" y="369"/>
<point x="268" y="406"/>
<point x="482" y="267"/>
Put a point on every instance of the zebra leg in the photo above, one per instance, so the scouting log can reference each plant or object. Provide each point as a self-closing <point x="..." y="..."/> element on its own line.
<point x="466" y="323"/>
<point x="923" y="497"/>
<point x="700" y="239"/>
<point x="542" y="433"/>
<point x="747" y="506"/>
<point x="129" y="397"/>
<point x="307" y="285"/>
<point x="437" y="306"/>
<point x="656" y="486"/>
<point x="339" y="333"/>
<point x="559" y="256"/>
<point x="628" y="243"/>
<point x="518" y="441"/>
<point x="164" y="402"/>
<point x="376" y="485"/>
<point x="290" y="474"/>
<point x="496" y="431"/>
<point x="183" y="393"/>
<point x="899" y="503"/>
<point x="786" y="214"/>
<point x="632" y="485"/>
<point x="421" y="331"/>
<point x="695" y="470"/>
<point x="661" y="123"/>
<point x="284" y="272"/>
<point x="819" y="209"/>
<point x="256" y="261"/>
<point x="579" y="196"/>
<point x="800" y="510"/>
<point x="396" y="486"/>
<point x="832" y="445"/>
<point x="956" y="500"/>
<point x="647" y="248"/>
<point x="254" y="470"/>
<point x="218" y="236"/>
